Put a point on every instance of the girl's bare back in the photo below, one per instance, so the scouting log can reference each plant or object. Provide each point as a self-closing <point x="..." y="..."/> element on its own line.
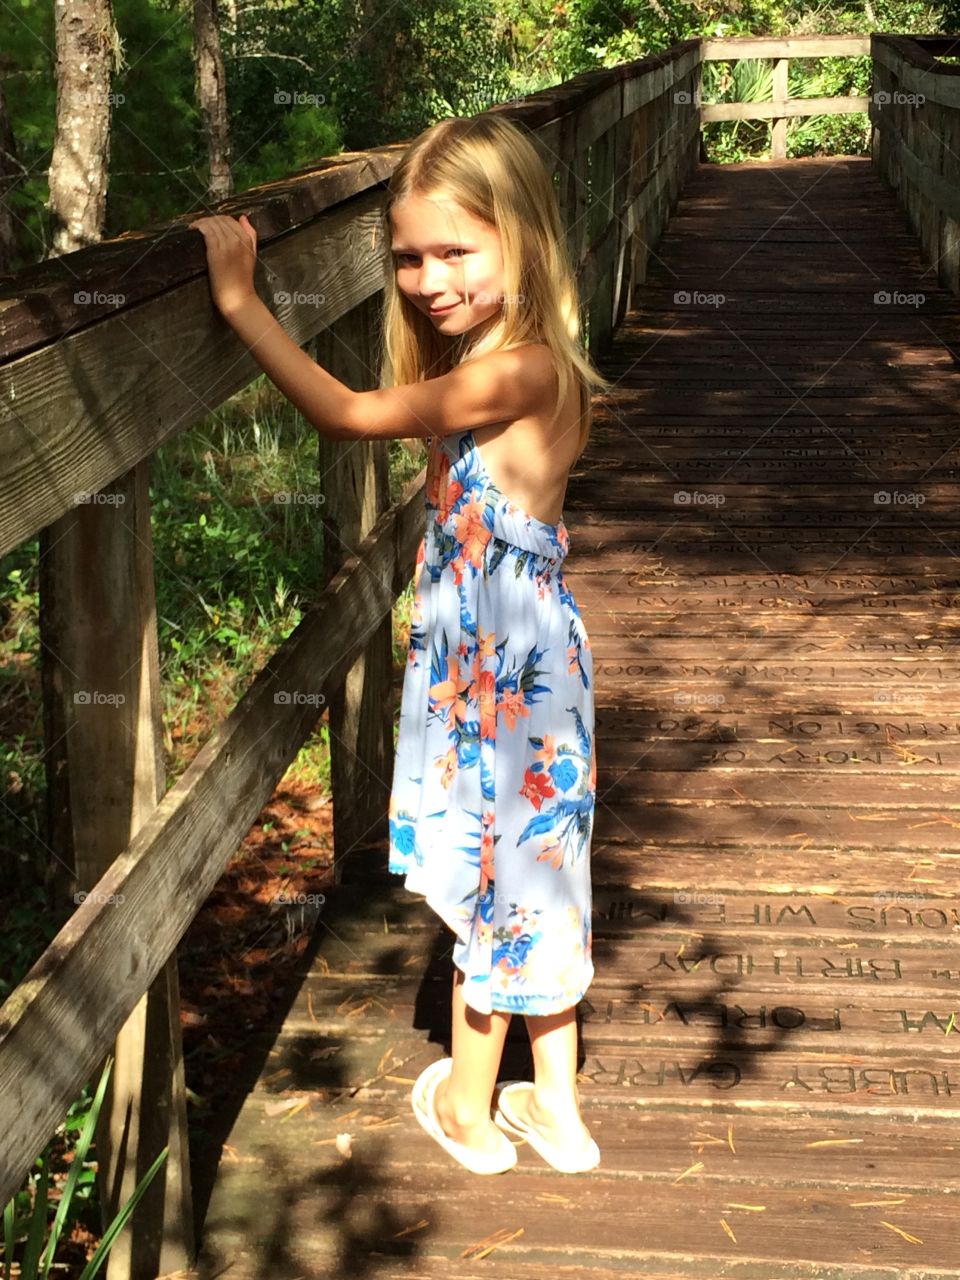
<point x="529" y="460"/>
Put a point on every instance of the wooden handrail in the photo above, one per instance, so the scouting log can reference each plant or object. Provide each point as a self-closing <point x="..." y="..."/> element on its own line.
<point x="782" y="107"/>
<point x="915" y="113"/>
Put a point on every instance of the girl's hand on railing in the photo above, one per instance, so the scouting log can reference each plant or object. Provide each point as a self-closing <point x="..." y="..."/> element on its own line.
<point x="231" y="257"/>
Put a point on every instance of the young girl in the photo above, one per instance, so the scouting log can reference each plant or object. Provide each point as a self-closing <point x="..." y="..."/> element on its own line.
<point x="491" y="811"/>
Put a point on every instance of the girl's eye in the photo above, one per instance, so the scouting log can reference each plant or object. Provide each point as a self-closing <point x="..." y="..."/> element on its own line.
<point x="404" y="258"/>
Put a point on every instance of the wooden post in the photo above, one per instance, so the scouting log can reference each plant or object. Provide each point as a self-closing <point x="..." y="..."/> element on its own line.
<point x="602" y="239"/>
<point x="100" y="637"/>
<point x="572" y="194"/>
<point x="354" y="479"/>
<point x="622" y="238"/>
<point x="949" y="252"/>
<point x="781" y="91"/>
<point x="579" y="232"/>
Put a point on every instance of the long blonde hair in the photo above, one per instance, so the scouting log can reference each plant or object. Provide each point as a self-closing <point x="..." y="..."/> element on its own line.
<point x="491" y="168"/>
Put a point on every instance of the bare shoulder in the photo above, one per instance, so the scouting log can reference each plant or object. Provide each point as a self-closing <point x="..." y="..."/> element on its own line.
<point x="538" y="365"/>
<point x="532" y="366"/>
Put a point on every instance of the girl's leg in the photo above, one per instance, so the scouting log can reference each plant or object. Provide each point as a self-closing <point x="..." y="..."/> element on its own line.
<point x="463" y="1101"/>
<point x="553" y="1104"/>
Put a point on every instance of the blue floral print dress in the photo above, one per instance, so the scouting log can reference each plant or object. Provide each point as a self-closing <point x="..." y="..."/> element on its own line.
<point x="494" y="783"/>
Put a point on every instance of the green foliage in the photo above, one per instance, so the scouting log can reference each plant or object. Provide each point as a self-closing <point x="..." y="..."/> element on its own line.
<point x="750" y="80"/>
<point x="28" y="927"/>
<point x="306" y="132"/>
<point x="236" y="521"/>
<point x="23" y="851"/>
<point x="157" y="154"/>
<point x="308" y="77"/>
<point x="25" y="1215"/>
<point x="30" y="93"/>
<point x="390" y="69"/>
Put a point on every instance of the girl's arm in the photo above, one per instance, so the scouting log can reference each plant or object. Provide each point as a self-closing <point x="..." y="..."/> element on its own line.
<point x="499" y="387"/>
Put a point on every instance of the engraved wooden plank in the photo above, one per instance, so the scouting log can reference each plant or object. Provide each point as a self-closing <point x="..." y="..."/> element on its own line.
<point x="892" y="1030"/>
<point x="877" y="735"/>
<point x="752" y="824"/>
<point x="783" y="108"/>
<point x="730" y="1073"/>
<point x="818" y="674"/>
<point x="896" y="516"/>
<point x="721" y="760"/>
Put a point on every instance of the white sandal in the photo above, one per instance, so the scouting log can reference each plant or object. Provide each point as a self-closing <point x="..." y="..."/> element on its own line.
<point x="507" y="1120"/>
<point x="423" y="1101"/>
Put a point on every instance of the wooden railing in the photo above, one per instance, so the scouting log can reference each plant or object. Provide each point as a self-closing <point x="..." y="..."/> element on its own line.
<point x="782" y="107"/>
<point x="107" y="353"/>
<point x="915" y="111"/>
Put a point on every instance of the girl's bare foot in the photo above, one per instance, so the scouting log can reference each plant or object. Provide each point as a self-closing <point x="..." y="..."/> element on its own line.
<point x="558" y="1120"/>
<point x="481" y="1135"/>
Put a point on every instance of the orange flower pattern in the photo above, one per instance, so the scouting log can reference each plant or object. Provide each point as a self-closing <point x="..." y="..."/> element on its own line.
<point x="494" y="783"/>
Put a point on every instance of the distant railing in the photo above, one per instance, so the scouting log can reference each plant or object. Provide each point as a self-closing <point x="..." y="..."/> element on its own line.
<point x="782" y="107"/>
<point x="915" y="111"/>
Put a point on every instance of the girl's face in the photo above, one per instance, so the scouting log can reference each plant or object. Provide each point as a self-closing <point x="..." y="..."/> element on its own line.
<point x="448" y="263"/>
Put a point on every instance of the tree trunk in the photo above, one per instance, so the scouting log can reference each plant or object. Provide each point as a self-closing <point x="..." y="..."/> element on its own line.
<point x="103" y="732"/>
<point x="80" y="164"/>
<point x="211" y="92"/>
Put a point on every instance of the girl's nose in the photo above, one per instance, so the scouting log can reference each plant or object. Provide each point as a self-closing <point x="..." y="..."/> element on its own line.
<point x="432" y="277"/>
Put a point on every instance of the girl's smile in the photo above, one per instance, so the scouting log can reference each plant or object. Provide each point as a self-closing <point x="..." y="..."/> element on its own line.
<point x="448" y="263"/>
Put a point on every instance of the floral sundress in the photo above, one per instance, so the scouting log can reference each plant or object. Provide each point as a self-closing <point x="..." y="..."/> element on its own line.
<point x="494" y="782"/>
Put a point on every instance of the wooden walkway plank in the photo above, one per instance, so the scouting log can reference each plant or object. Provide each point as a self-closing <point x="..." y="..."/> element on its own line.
<point x="769" y="1053"/>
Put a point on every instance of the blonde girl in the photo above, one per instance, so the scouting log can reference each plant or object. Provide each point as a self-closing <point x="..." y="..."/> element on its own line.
<point x="491" y="809"/>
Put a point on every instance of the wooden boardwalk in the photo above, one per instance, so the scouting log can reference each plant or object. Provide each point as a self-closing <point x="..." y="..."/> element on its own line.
<point x="765" y="542"/>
